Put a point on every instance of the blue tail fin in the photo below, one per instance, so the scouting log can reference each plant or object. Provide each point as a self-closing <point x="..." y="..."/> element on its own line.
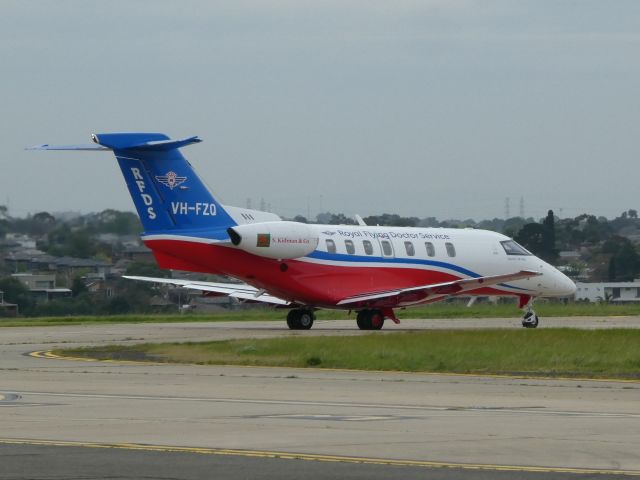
<point x="166" y="191"/>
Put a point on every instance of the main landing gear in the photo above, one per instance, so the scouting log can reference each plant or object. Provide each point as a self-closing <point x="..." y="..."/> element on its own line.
<point x="530" y="318"/>
<point x="300" y="319"/>
<point x="370" y="319"/>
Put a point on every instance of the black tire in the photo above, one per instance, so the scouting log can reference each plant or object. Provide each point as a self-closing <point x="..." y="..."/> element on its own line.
<point x="300" y="319"/>
<point x="530" y="320"/>
<point x="364" y="320"/>
<point x="293" y="320"/>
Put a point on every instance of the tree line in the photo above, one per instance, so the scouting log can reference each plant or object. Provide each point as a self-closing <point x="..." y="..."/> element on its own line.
<point x="608" y="249"/>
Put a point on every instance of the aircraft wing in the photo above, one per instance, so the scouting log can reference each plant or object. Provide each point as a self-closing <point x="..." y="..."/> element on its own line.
<point x="438" y="290"/>
<point x="241" y="291"/>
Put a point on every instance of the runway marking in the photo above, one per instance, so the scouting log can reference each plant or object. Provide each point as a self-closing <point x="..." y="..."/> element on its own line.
<point x="315" y="457"/>
<point x="531" y="410"/>
<point x="48" y="354"/>
<point x="333" y="418"/>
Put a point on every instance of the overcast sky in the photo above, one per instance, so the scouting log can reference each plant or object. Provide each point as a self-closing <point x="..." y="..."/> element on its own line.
<point x="428" y="107"/>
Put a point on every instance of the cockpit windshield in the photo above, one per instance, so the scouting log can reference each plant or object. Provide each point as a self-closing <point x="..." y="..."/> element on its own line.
<point x="513" y="248"/>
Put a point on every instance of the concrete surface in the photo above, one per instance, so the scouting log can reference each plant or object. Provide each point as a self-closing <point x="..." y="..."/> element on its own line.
<point x="545" y="425"/>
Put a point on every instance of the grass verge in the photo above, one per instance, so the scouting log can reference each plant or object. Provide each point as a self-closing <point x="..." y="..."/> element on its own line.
<point x="549" y="352"/>
<point x="439" y="310"/>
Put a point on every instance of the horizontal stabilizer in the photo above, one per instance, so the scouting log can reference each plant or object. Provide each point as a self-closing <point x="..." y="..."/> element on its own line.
<point x="148" y="142"/>
<point x="139" y="141"/>
<point x="88" y="146"/>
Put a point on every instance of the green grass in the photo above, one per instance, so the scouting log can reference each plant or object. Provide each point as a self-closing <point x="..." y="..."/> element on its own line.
<point x="549" y="352"/>
<point x="439" y="310"/>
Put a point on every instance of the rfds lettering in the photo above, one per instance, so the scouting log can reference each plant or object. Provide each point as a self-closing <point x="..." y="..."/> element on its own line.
<point x="146" y="198"/>
<point x="198" y="208"/>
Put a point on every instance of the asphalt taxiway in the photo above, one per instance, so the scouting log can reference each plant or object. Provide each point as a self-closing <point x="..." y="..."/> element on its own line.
<point x="130" y="420"/>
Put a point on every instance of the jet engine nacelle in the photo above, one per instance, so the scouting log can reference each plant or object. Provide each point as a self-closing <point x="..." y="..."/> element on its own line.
<point x="279" y="240"/>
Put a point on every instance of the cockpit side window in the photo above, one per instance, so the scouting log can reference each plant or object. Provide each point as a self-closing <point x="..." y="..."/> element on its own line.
<point x="513" y="248"/>
<point x="331" y="246"/>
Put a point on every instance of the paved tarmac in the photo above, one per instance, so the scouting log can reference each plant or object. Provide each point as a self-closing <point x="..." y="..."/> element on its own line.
<point x="244" y="422"/>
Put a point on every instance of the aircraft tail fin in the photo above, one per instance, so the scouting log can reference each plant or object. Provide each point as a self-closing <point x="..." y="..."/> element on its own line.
<point x="168" y="194"/>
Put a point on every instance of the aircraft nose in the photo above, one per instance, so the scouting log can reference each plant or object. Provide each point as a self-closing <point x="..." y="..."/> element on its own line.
<point x="565" y="285"/>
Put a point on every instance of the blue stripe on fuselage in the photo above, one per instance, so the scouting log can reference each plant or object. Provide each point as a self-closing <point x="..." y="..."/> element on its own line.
<point x="341" y="257"/>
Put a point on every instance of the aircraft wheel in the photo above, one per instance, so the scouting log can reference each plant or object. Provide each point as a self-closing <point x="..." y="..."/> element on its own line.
<point x="364" y="320"/>
<point x="299" y="319"/>
<point x="376" y="320"/>
<point x="306" y="319"/>
<point x="530" y="320"/>
<point x="293" y="319"/>
<point x="370" y="319"/>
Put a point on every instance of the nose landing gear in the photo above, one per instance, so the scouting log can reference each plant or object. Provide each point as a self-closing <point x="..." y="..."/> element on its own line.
<point x="530" y="318"/>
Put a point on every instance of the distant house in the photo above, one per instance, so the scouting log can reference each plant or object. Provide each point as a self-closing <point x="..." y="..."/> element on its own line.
<point x="618" y="292"/>
<point x="138" y="254"/>
<point x="7" y="309"/>
<point x="42" y="286"/>
<point x="98" y="284"/>
<point x="19" y="240"/>
<point x="25" y="262"/>
<point x="568" y="255"/>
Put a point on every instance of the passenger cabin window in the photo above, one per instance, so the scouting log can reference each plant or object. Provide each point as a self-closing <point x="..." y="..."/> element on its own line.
<point x="431" y="250"/>
<point x="411" y="250"/>
<point x="331" y="246"/>
<point x="368" y="248"/>
<point x="451" y="250"/>
<point x="513" y="248"/>
<point x="386" y="248"/>
<point x="351" y="248"/>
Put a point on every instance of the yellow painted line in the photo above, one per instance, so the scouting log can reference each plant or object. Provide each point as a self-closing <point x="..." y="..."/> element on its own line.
<point x="51" y="355"/>
<point x="318" y="458"/>
<point x="2" y="397"/>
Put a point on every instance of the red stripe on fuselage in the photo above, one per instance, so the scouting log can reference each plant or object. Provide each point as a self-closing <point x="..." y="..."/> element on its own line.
<point x="310" y="283"/>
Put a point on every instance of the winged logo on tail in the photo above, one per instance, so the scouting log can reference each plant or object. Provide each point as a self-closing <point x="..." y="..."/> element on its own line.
<point x="171" y="179"/>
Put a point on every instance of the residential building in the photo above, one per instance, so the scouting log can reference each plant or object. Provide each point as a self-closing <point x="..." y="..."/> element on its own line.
<point x="608" y="292"/>
<point x="20" y="262"/>
<point x="42" y="286"/>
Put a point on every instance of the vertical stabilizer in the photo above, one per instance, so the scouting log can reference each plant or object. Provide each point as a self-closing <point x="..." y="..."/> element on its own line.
<point x="166" y="191"/>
